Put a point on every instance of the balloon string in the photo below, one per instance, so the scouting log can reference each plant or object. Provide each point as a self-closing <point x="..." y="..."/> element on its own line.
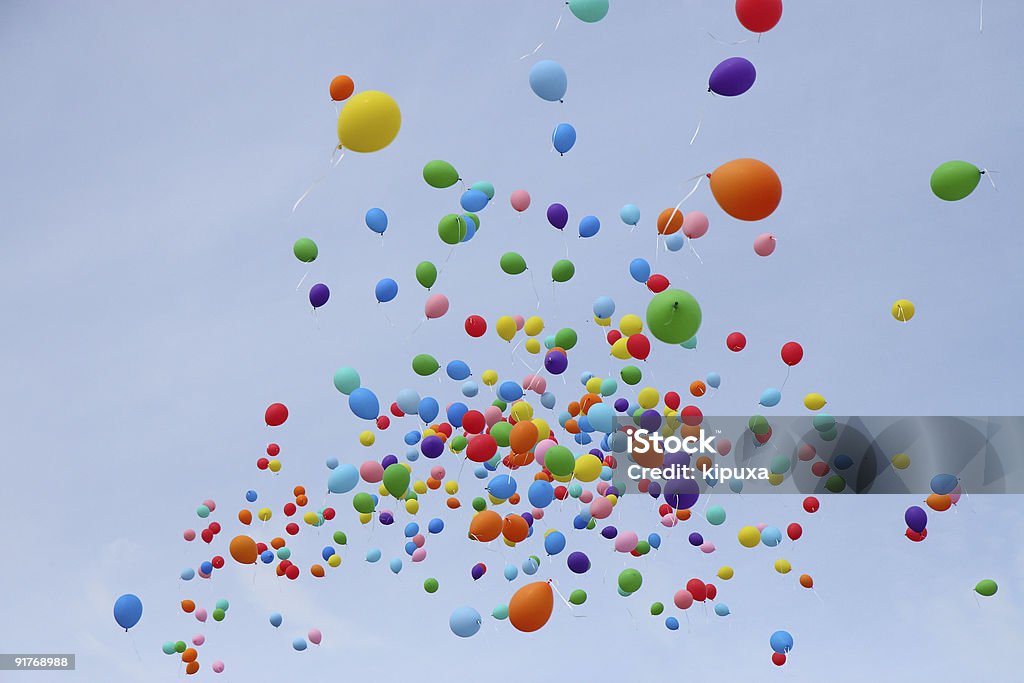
<point x="541" y="44"/>
<point x="536" y="294"/>
<point x="689" y="243"/>
<point x="788" y="368"/>
<point x="699" y="179"/>
<point x="988" y="174"/>
<point x="699" y="122"/>
<point x="559" y="593"/>
<point x="981" y="16"/>
<point x="724" y="42"/>
<point x="301" y="281"/>
<point x="333" y="163"/>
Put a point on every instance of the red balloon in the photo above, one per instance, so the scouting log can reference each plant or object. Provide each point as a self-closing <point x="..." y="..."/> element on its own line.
<point x="292" y="572"/>
<point x="657" y="283"/>
<point x="262" y="463"/>
<point x="762" y="439"/>
<point x="276" y="414"/>
<point x="215" y="527"/>
<point x="206" y="535"/>
<point x="917" y="537"/>
<point x="260" y="547"/>
<point x="811" y="504"/>
<point x="383" y="422"/>
<point x="638" y="346"/>
<point x="473" y="422"/>
<point x="396" y="411"/>
<point x="665" y="509"/>
<point x="759" y="16"/>
<point x="819" y="469"/>
<point x="444" y="428"/>
<point x="217" y="562"/>
<point x="273" y="449"/>
<point x="481" y="448"/>
<point x="692" y="416"/>
<point x="292" y="528"/>
<point x="697" y="589"/>
<point x="712" y="591"/>
<point x="794" y="531"/>
<point x="672" y="400"/>
<point x="476" y="326"/>
<point x="613" y="336"/>
<point x="792" y="353"/>
<point x="561" y="493"/>
<point x="329" y="514"/>
<point x="736" y="342"/>
<point x="778" y="659"/>
<point x="289" y="509"/>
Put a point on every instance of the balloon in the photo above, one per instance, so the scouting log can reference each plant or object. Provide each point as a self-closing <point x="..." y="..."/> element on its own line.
<point x="426" y="274"/>
<point x="127" y="610"/>
<point x="299" y="644"/>
<point x="715" y="515"/>
<point x="640" y="270"/>
<point x="759" y="16"/>
<point x="548" y="80"/>
<point x="520" y="200"/>
<point x="749" y="536"/>
<point x="630" y="580"/>
<point x="512" y="263"/>
<point x="346" y="380"/>
<point x="670" y="221"/>
<point x="315" y="636"/>
<point x="589" y="226"/>
<point x="590" y="11"/>
<point x="562" y="270"/>
<point x="305" y="250"/>
<point x="436" y="306"/>
<point x="369" y="122"/>
<point x="364" y="404"/>
<point x="657" y="283"/>
<point x="675" y="241"/>
<point x="377" y="220"/>
<point x="318" y="295"/>
<point x="578" y="597"/>
<point x="987" y="587"/>
<point x="792" y="353"/>
<point x="396" y="480"/>
<point x="770" y="397"/>
<point x="554" y="542"/>
<point x="341" y="89"/>
<point x="916" y="518"/>
<point x="386" y="290"/>
<point x="578" y="563"/>
<point x="243" y="550"/>
<point x="954" y="180"/>
<point x="563" y="138"/>
<point x="473" y="200"/>
<point x="903" y="310"/>
<point x="943" y="484"/>
<point x="630" y="214"/>
<point x="452" y="229"/>
<point x="746" y="189"/>
<point x="764" y="244"/>
<point x="732" y="77"/>
<point x="814" y="401"/>
<point x="781" y="642"/>
<point x="530" y="606"/>
<point x="695" y="225"/>
<point x="558" y="216"/>
<point x="673" y="316"/>
<point x="440" y="174"/>
<point x="424" y="365"/>
<point x="276" y="414"/>
<point x="343" y="479"/>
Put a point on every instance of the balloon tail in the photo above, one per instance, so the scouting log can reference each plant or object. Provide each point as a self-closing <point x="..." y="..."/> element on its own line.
<point x="559" y="593"/>
<point x="689" y="243"/>
<point x="316" y="319"/>
<point x="699" y="122"/>
<point x="335" y="160"/>
<point x="536" y="295"/>
<point x="699" y="179"/>
<point x="724" y="42"/>
<point x="788" y="368"/>
<point x="301" y="281"/>
<point x="981" y="16"/>
<point x="988" y="174"/>
<point x="541" y="44"/>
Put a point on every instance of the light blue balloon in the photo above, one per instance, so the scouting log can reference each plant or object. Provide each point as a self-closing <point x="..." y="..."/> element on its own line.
<point x="530" y="566"/>
<point x="548" y="80"/>
<point x="346" y="380"/>
<point x="721" y="609"/>
<point x="127" y="610"/>
<point x="331" y="463"/>
<point x="781" y="642"/>
<point x="618" y="442"/>
<point x="373" y="554"/>
<point x="589" y="226"/>
<point x="548" y="400"/>
<point x="473" y="200"/>
<point x="471" y="228"/>
<point x="585" y="377"/>
<point x="276" y="620"/>
<point x="770" y="397"/>
<point x="411" y="529"/>
<point x="465" y="622"/>
<point x="549" y="341"/>
<point x="470" y="389"/>
<point x="412" y="437"/>
<point x="480" y="472"/>
<point x="408" y="401"/>
<point x="395" y="565"/>
<point x="771" y="536"/>
<point x="501" y="611"/>
<point x="386" y="290"/>
<point x="736" y="485"/>
<point x="943" y="484"/>
<point x="510" y="391"/>
<point x="602" y="417"/>
<point x="671" y="623"/>
<point x="377" y="220"/>
<point x="511" y="572"/>
<point x="630" y="214"/>
<point x="563" y="138"/>
<point x="187" y="574"/>
<point x="690" y="343"/>
<point x="428" y="408"/>
<point x="364" y="404"/>
<point x="575" y="489"/>
<point x="343" y="479"/>
<point x="554" y="543"/>
<point x="674" y="242"/>
<point x="540" y="493"/>
<point x="412" y="454"/>
<point x="299" y="644"/>
<point x="502" y="487"/>
<point x="640" y="269"/>
<point x="485" y="187"/>
<point x="714" y="380"/>
<point x="604" y="307"/>
<point x="457" y="370"/>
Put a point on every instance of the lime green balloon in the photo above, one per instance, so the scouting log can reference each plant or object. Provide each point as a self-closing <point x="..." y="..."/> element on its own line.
<point x="987" y="588"/>
<point x="559" y="461"/>
<point x="631" y="375"/>
<point x="501" y="432"/>
<point x="473" y="217"/>
<point x="630" y="580"/>
<point x="592" y="524"/>
<point x="566" y="338"/>
<point x="411" y="495"/>
<point x="578" y="596"/>
<point x="426" y="274"/>
<point x="643" y="547"/>
<point x="305" y="250"/>
<point x="458" y="444"/>
<point x="563" y="270"/>
<point x="218" y="614"/>
<point x="758" y="424"/>
<point x="424" y="365"/>
<point x="835" y="484"/>
<point x="500" y="612"/>
<point x="589" y="11"/>
<point x="340" y="538"/>
<point x="431" y="585"/>
<point x="657" y="608"/>
<point x="396" y="480"/>
<point x="479" y="504"/>
<point x="452" y="229"/>
<point x="499" y="404"/>
<point x="513" y="263"/>
<point x="673" y="316"/>
<point x="954" y="180"/>
<point x="440" y="174"/>
<point x="180" y="646"/>
<point x="363" y="502"/>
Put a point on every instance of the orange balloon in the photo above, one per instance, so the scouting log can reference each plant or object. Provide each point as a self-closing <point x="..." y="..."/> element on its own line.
<point x="514" y="499"/>
<point x="572" y="426"/>
<point x="189" y="655"/>
<point x="530" y="607"/>
<point x="485" y="526"/>
<point x="433" y="484"/>
<point x="573" y="408"/>
<point x="806" y="581"/>
<point x="746" y="189"/>
<point x="243" y="549"/>
<point x="317" y="571"/>
<point x="689" y="430"/>
<point x="191" y="668"/>
<point x="543" y="476"/>
<point x="299" y="491"/>
<point x="187" y="606"/>
<point x="670" y="221"/>
<point x="703" y="464"/>
<point x="939" y="503"/>
<point x="515" y="528"/>
<point x="342" y="88"/>
<point x="698" y="388"/>
<point x="245" y="517"/>
<point x="277" y="543"/>
<point x="682" y="515"/>
<point x="301" y="500"/>
<point x="587" y="401"/>
<point x="453" y="504"/>
<point x="523" y="437"/>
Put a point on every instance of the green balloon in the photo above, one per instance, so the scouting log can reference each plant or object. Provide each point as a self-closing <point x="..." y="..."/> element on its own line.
<point x="424" y="365"/>
<point x="643" y="547"/>
<point x="987" y="588"/>
<point x="501" y="432"/>
<point x="823" y="422"/>
<point x="396" y="480"/>
<point x="758" y="424"/>
<point x="690" y="343"/>
<point x="559" y="461"/>
<point x="589" y="11"/>
<point x="657" y="608"/>
<point x="218" y="615"/>
<point x="829" y="434"/>
<point x="954" y="180"/>
<point x="779" y="464"/>
<point x="479" y="504"/>
<point x="346" y="380"/>
<point x="631" y="375"/>
<point x="305" y="250"/>
<point x="440" y="174"/>
<point x="715" y="515"/>
<point x="485" y="187"/>
<point x="411" y="495"/>
<point x="673" y="316"/>
<point x="630" y="580"/>
<point x="431" y="585"/>
<point x="592" y="524"/>
<point x="458" y="444"/>
<point x="563" y="270"/>
<point x="835" y="484"/>
<point x="283" y="553"/>
<point x="499" y="404"/>
<point x="452" y="229"/>
<point x="473" y="217"/>
<point x="512" y="263"/>
<point x="363" y="502"/>
<point x="566" y="338"/>
<point x="500" y="612"/>
<point x="180" y="646"/>
<point x="578" y="596"/>
<point x="168" y="648"/>
<point x="426" y="274"/>
<point x="340" y="538"/>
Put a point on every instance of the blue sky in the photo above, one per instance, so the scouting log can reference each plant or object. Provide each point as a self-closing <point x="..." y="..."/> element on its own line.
<point x="153" y="154"/>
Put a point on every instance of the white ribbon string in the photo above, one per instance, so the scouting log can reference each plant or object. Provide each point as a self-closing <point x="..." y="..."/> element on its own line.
<point x="541" y="44"/>
<point x="725" y="42"/>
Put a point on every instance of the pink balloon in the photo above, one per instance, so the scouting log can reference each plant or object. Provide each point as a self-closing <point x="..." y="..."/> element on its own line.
<point x="419" y="540"/>
<point x="190" y="534"/>
<point x="626" y="541"/>
<point x="761" y="526"/>
<point x="600" y="508"/>
<point x="419" y="555"/>
<point x="707" y="547"/>
<point x="723" y="446"/>
<point x="602" y="487"/>
<point x="537" y="513"/>
<point x="586" y="496"/>
<point x="695" y="224"/>
<point x="492" y="414"/>
<point x="520" y="321"/>
<point x="198" y="639"/>
<point x="806" y="452"/>
<point x="540" y="449"/>
<point x="669" y="520"/>
<point x="210" y="504"/>
<point x="200" y="614"/>
<point x="315" y="636"/>
<point x="218" y="667"/>
<point x="764" y="244"/>
<point x="683" y="599"/>
<point x="535" y="383"/>
<point x="954" y="495"/>
<point x="437" y="472"/>
<point x="436" y="306"/>
<point x="520" y="200"/>
<point x="371" y="472"/>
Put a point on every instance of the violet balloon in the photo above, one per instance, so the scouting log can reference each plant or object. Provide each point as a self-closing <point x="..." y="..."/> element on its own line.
<point x="558" y="216"/>
<point x="319" y="294"/>
<point x="732" y="77"/>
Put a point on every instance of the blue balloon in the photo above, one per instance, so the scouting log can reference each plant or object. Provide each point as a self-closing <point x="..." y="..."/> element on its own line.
<point x="640" y="269"/>
<point x="602" y="417"/>
<point x="377" y="220"/>
<point x="714" y="380"/>
<point x="770" y="397"/>
<point x="502" y="487"/>
<point x="548" y="400"/>
<point x="456" y="412"/>
<point x="408" y="401"/>
<point x="589" y="226"/>
<point x="457" y="370"/>
<point x="364" y="404"/>
<point x="373" y="554"/>
<point x="771" y="536"/>
<point x="722" y="610"/>
<point x="843" y="462"/>
<point x="412" y="438"/>
<point x="530" y="566"/>
<point x="736" y="485"/>
<point x="674" y="242"/>
<point x="327" y="552"/>
<point x="428" y="408"/>
<point x="343" y="479"/>
<point x="299" y="644"/>
<point x="471" y="227"/>
<point x="473" y="200"/>
<point x="465" y="622"/>
<point x="395" y="565"/>
<point x="436" y="525"/>
<point x="470" y="389"/>
<point x="206" y="568"/>
<point x="548" y="80"/>
<point x="386" y="290"/>
<point x="671" y="623"/>
<point x="604" y="307"/>
<point x="563" y="138"/>
<point x="331" y="463"/>
<point x="511" y="572"/>
<point x="411" y="529"/>
<point x="276" y="619"/>
<point x="480" y="472"/>
<point x="250" y="496"/>
<point x="654" y="540"/>
<point x="267" y="556"/>
<point x="630" y="214"/>
<point x="541" y="493"/>
<point x="187" y="574"/>
<point x="943" y="484"/>
<point x="127" y="610"/>
<point x="510" y="391"/>
<point x="781" y="642"/>
<point x="554" y="543"/>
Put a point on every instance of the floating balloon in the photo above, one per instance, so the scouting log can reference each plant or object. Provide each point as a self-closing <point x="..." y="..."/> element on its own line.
<point x="764" y="244"/>
<point x="440" y="174"/>
<point x="276" y="415"/>
<point x="630" y="214"/>
<point x="368" y="122"/>
<point x="386" y="290"/>
<point x="792" y="353"/>
<point x="732" y="77"/>
<point x="548" y="80"/>
<point x="377" y="220"/>
<point x="590" y="11"/>
<point x="127" y="610"/>
<point x="955" y="180"/>
<point x="563" y="138"/>
<point x="746" y="189"/>
<point x="759" y="16"/>
<point x="558" y="216"/>
<point x="436" y="306"/>
<point x="530" y="606"/>
<point x="673" y="316"/>
<point x="318" y="295"/>
<point x="589" y="226"/>
<point x="903" y="310"/>
<point x="341" y="88"/>
<point x="987" y="587"/>
<point x="305" y="250"/>
<point x="520" y="200"/>
<point x="426" y="274"/>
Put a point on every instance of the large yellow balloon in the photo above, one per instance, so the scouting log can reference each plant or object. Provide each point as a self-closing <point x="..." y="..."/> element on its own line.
<point x="369" y="121"/>
<point x="543" y="430"/>
<point x="533" y="326"/>
<point x="506" y="327"/>
<point x="814" y="401"/>
<point x="521" y="411"/>
<point x="903" y="310"/>
<point x="630" y="324"/>
<point x="588" y="467"/>
<point x="749" y="536"/>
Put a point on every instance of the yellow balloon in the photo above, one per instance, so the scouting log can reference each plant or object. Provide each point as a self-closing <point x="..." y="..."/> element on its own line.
<point x="783" y="566"/>
<point x="505" y="327"/>
<point x="309" y="518"/>
<point x="563" y="478"/>
<point x="814" y="401"/>
<point x="532" y="346"/>
<point x="495" y="501"/>
<point x="594" y="385"/>
<point x="420" y="487"/>
<point x="619" y="349"/>
<point x="412" y="506"/>
<point x="543" y="430"/>
<point x="901" y="461"/>
<point x="451" y="447"/>
<point x="630" y="324"/>
<point x="383" y="491"/>
<point x="749" y="536"/>
<point x="521" y="410"/>
<point x="369" y="121"/>
<point x="612" y="498"/>
<point x="451" y="488"/>
<point x="490" y="377"/>
<point x="264" y="514"/>
<point x="725" y="573"/>
<point x="603" y="322"/>
<point x="903" y="310"/>
<point x="588" y="467"/>
<point x="274" y="465"/>
<point x="365" y="517"/>
<point x="510" y="544"/>
<point x="334" y="560"/>
<point x="775" y="479"/>
<point x="533" y="326"/>
<point x="428" y="432"/>
<point x="367" y="438"/>
<point x="648" y="398"/>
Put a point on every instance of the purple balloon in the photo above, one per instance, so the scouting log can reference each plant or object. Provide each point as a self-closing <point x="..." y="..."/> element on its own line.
<point x="479" y="569"/>
<point x="319" y="294"/>
<point x="578" y="563"/>
<point x="388" y="460"/>
<point x="555" y="362"/>
<point x="558" y="216"/>
<point x="654" y="489"/>
<point x="696" y="539"/>
<point x="528" y="517"/>
<point x="681" y="494"/>
<point x="621" y="405"/>
<point x="612" y="491"/>
<point x="609" y="532"/>
<point x="432" y="447"/>
<point x="386" y="518"/>
<point x="916" y="518"/>
<point x="732" y="77"/>
<point x="650" y="420"/>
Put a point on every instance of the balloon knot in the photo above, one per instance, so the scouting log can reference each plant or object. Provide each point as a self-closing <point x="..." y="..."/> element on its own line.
<point x="708" y="175"/>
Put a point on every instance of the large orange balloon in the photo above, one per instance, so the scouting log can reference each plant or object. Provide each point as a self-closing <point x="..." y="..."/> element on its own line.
<point x="523" y="437"/>
<point x="670" y="221"/>
<point x="530" y="607"/>
<point x="485" y="526"/>
<point x="746" y="189"/>
<point x="243" y="549"/>
<point x="515" y="528"/>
